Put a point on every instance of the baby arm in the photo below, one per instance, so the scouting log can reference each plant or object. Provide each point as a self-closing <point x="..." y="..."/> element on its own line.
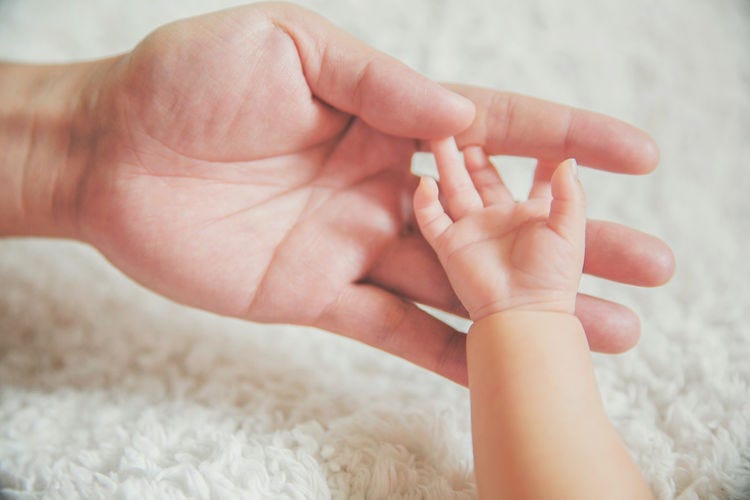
<point x="539" y="427"/>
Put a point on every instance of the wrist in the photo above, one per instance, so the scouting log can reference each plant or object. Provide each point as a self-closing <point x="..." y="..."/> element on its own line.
<point x="563" y="303"/>
<point x="528" y="317"/>
<point x="46" y="135"/>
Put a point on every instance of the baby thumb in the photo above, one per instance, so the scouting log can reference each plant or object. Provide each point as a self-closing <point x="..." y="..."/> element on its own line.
<point x="567" y="215"/>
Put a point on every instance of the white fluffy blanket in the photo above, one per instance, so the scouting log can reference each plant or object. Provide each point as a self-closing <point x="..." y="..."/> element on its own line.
<point x="109" y="391"/>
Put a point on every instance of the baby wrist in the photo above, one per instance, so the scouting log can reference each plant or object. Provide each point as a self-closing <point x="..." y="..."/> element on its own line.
<point x="528" y="322"/>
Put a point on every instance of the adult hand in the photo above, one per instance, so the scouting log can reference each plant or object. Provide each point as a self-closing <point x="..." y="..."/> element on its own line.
<point x="255" y="162"/>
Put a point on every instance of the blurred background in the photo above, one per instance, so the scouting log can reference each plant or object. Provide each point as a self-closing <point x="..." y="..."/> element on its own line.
<point x="106" y="388"/>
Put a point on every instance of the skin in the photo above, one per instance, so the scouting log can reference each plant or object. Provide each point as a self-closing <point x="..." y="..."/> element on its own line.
<point x="254" y="162"/>
<point x="539" y="427"/>
<point x="500" y="255"/>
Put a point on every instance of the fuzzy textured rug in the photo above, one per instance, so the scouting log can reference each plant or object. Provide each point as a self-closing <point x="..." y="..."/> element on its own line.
<point x="107" y="390"/>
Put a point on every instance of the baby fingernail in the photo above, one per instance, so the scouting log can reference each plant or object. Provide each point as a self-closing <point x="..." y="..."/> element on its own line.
<point x="573" y="167"/>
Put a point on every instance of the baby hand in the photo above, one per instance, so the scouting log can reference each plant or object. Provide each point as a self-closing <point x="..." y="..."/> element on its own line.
<point x="500" y="254"/>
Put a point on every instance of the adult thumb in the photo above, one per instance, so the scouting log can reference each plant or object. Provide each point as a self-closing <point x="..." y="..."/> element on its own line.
<point x="349" y="75"/>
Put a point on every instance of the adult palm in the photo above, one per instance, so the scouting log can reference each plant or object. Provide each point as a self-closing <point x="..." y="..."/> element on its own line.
<point x="254" y="162"/>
